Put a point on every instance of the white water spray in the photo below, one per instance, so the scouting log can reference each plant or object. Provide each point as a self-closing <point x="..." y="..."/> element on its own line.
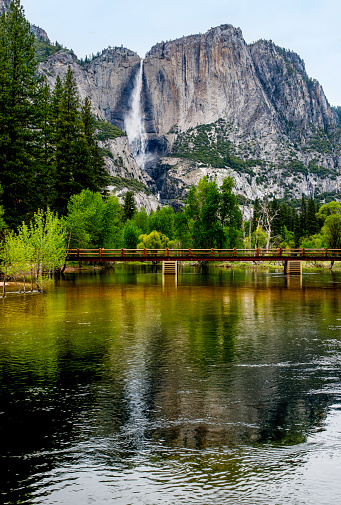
<point x="134" y="122"/>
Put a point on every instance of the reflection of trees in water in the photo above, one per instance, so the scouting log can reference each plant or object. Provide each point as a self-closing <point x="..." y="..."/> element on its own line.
<point x="289" y="420"/>
<point x="207" y="401"/>
<point x="218" y="363"/>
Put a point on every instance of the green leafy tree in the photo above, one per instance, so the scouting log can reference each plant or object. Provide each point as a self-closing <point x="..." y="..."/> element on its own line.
<point x="260" y="237"/>
<point x="328" y="209"/>
<point x="111" y="224"/>
<point x="162" y="220"/>
<point x="154" y="240"/>
<point x="85" y="219"/>
<point x="36" y="249"/>
<point x="332" y="231"/>
<point x="141" y="219"/>
<point x="202" y="212"/>
<point x="182" y="230"/>
<point x="229" y="212"/>
<point x="131" y="235"/>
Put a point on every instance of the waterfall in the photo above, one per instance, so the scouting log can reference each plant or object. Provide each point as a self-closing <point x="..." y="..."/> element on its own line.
<point x="134" y="122"/>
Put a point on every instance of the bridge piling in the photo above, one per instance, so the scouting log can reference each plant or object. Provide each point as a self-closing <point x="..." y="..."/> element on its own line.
<point x="293" y="267"/>
<point x="170" y="268"/>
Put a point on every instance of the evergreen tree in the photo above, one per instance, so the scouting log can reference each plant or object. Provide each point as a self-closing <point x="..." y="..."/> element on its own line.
<point x="257" y="211"/>
<point x="129" y="206"/>
<point x="311" y="217"/>
<point x="19" y="118"/>
<point x="68" y="152"/>
<point x="276" y="218"/>
<point x="303" y="216"/>
<point x="78" y="163"/>
<point x="94" y="172"/>
<point x="297" y="229"/>
<point x="45" y="174"/>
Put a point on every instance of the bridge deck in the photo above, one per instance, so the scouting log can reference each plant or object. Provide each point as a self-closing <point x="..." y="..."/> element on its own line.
<point x="102" y="255"/>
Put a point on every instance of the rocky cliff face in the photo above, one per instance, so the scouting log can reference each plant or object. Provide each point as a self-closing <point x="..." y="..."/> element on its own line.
<point x="107" y="80"/>
<point x="4" y="5"/>
<point x="40" y="34"/>
<point x="280" y="135"/>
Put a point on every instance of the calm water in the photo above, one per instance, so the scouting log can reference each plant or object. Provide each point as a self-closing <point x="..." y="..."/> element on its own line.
<point x="225" y="389"/>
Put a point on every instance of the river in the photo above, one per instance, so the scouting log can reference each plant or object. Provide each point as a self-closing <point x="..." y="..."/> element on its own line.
<point x="127" y="388"/>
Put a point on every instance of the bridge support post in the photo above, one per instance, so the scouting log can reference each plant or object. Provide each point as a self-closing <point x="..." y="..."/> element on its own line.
<point x="170" y="268"/>
<point x="293" y="267"/>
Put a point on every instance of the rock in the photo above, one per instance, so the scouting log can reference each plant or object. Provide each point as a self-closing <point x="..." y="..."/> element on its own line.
<point x="257" y="98"/>
<point x="40" y="34"/>
<point x="120" y="161"/>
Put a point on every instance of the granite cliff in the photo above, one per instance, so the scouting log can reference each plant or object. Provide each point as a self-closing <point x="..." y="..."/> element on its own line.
<point x="213" y="105"/>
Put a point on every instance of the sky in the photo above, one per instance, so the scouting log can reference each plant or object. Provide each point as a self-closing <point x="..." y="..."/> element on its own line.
<point x="311" y="28"/>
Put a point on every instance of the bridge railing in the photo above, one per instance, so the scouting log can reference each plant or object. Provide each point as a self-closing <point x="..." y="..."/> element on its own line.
<point x="215" y="254"/>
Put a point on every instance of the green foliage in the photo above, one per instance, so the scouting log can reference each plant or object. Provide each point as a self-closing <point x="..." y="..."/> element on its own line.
<point x="162" y="220"/>
<point x="209" y="144"/>
<point x="129" y="206"/>
<point x="105" y="131"/>
<point x="154" y="240"/>
<point x="43" y="50"/>
<point x="93" y="221"/>
<point x="332" y="231"/>
<point x="260" y="237"/>
<point x="84" y="218"/>
<point x="141" y="219"/>
<point x="19" y="118"/>
<point x="212" y="215"/>
<point x="131" y="235"/>
<point x="48" y="151"/>
<point x="328" y="209"/>
<point x="130" y="184"/>
<point x="36" y="249"/>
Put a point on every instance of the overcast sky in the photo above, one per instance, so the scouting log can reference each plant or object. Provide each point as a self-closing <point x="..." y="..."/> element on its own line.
<point x="309" y="27"/>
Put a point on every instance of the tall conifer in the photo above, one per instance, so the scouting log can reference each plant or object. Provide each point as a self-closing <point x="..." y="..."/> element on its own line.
<point x="19" y="122"/>
<point x="311" y="217"/>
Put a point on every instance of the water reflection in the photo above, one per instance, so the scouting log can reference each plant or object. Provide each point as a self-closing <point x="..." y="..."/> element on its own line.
<point x="214" y="386"/>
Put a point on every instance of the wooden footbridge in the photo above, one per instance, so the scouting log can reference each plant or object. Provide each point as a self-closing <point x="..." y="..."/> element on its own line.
<point x="198" y="255"/>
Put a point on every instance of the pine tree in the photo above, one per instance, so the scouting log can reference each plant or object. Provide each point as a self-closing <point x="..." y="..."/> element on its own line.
<point x="45" y="176"/>
<point x="303" y="216"/>
<point x="297" y="228"/>
<point x="19" y="121"/>
<point x="95" y="174"/>
<point x="276" y="218"/>
<point x="67" y="143"/>
<point x="78" y="162"/>
<point x="129" y="206"/>
<point x="311" y="217"/>
<point x="257" y="211"/>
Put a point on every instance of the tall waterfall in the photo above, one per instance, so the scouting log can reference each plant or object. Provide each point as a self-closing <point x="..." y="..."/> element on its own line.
<point x="134" y="122"/>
